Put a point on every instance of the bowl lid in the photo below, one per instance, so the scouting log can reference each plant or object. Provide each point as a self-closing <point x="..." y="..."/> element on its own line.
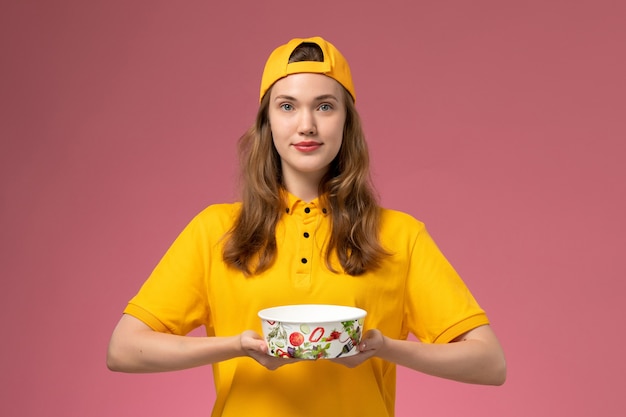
<point x="311" y="313"/>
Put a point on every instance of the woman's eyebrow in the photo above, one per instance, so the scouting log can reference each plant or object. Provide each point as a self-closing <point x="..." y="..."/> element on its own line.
<point x="285" y="97"/>
<point x="318" y="98"/>
<point x="326" y="97"/>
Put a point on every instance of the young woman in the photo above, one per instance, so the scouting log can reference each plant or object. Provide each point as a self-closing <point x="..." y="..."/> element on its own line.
<point x="308" y="231"/>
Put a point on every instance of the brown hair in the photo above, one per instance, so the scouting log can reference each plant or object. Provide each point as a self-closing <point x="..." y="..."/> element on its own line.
<point x="346" y="189"/>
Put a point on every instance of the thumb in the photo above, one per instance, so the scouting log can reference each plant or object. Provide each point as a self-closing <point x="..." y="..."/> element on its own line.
<point x="369" y="340"/>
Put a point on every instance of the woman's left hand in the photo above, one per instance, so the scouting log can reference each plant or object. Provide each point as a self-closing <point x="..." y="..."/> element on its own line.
<point x="371" y="343"/>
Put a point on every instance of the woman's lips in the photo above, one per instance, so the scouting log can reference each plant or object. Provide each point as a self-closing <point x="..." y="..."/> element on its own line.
<point x="307" y="146"/>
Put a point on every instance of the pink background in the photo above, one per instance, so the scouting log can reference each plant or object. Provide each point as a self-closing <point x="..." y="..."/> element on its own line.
<point x="501" y="124"/>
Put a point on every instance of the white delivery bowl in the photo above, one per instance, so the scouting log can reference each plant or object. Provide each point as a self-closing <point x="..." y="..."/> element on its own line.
<point x="312" y="331"/>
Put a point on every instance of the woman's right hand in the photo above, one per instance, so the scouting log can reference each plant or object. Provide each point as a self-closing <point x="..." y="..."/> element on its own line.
<point x="135" y="347"/>
<point x="254" y="346"/>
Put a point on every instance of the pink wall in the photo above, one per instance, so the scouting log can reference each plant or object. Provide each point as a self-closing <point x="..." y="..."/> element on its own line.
<point x="501" y="124"/>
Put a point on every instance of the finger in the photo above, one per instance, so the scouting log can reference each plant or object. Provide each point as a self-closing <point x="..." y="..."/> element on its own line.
<point x="370" y="340"/>
<point x="367" y="343"/>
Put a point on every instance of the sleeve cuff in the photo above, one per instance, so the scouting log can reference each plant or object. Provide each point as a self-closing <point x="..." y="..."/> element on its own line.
<point x="462" y="327"/>
<point x="147" y="317"/>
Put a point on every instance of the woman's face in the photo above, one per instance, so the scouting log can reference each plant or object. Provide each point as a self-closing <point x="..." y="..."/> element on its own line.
<point x="307" y="116"/>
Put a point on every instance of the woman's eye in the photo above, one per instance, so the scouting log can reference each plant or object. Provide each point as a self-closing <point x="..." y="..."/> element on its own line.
<point x="286" y="106"/>
<point x="325" y="107"/>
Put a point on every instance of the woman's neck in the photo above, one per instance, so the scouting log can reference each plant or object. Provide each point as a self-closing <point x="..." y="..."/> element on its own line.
<point x="304" y="187"/>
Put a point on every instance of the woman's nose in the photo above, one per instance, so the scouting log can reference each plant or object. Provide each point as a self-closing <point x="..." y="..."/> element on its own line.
<point x="307" y="124"/>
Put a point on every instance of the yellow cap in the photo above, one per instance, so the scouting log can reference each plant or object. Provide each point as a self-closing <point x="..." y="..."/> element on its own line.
<point x="335" y="65"/>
